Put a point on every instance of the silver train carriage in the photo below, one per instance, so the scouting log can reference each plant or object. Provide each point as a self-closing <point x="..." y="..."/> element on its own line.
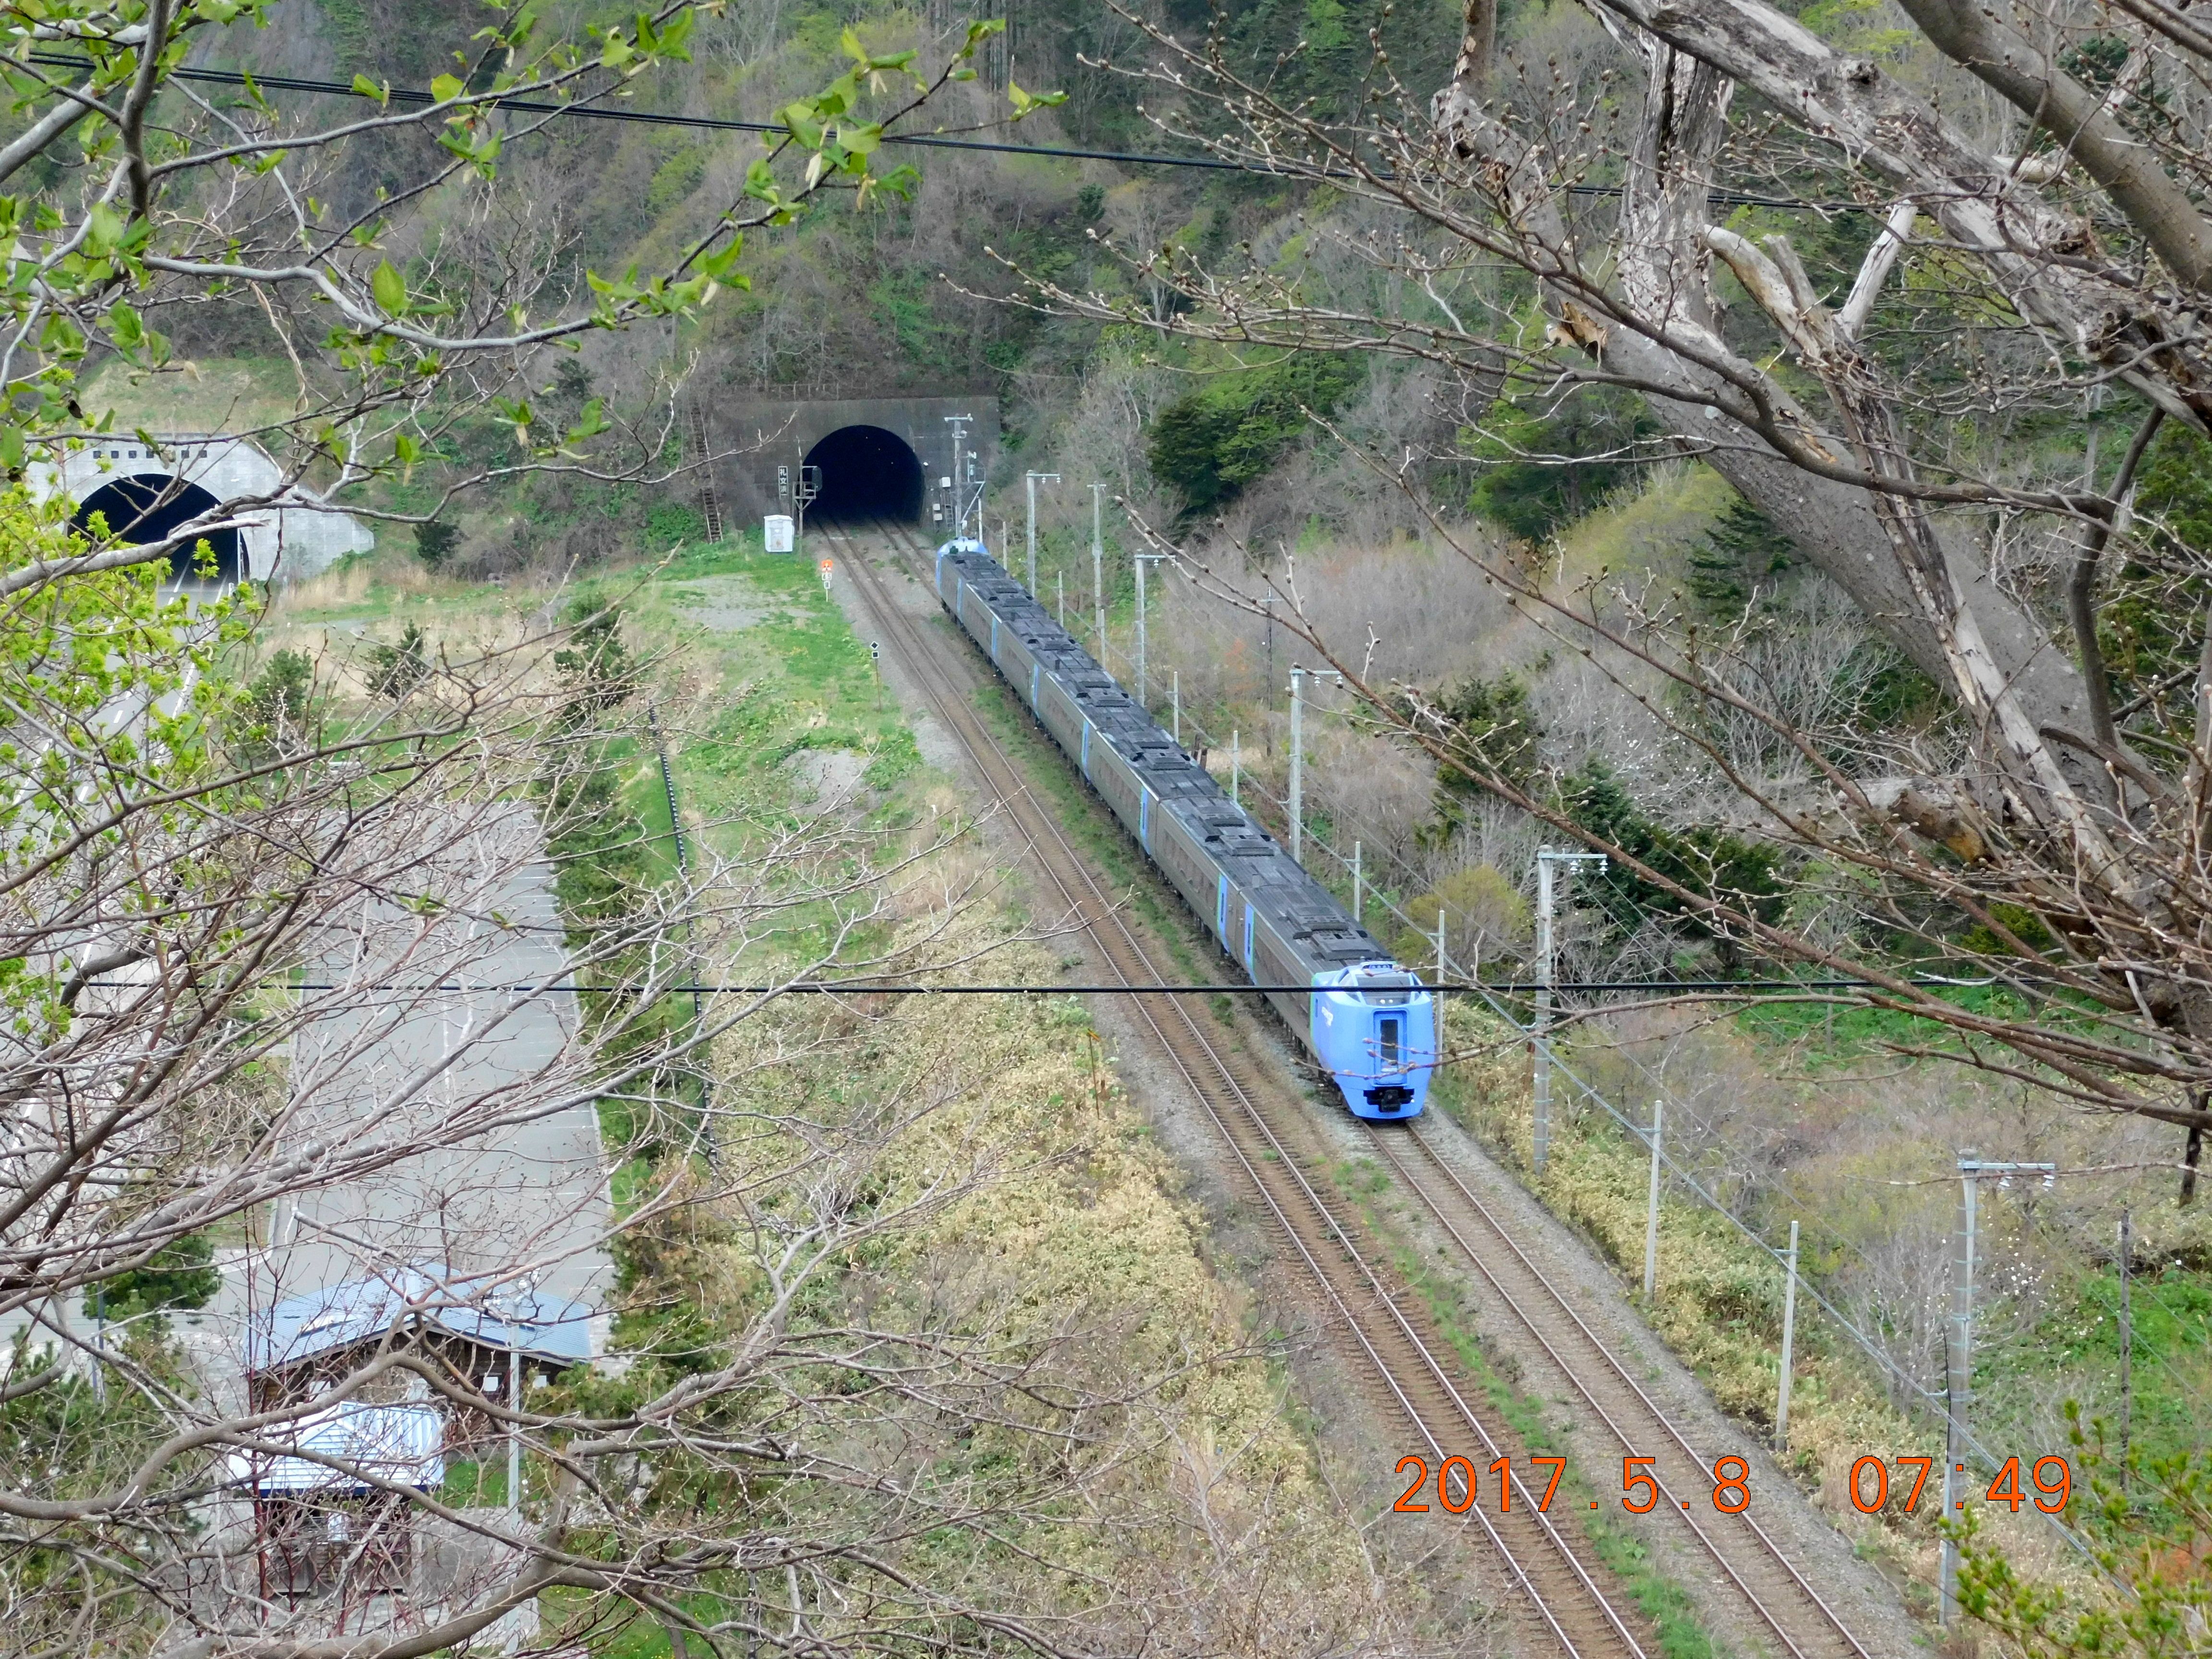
<point x="1369" y="1022"/>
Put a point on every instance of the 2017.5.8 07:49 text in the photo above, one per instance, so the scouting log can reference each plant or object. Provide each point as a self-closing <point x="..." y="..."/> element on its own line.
<point x="1455" y="1483"/>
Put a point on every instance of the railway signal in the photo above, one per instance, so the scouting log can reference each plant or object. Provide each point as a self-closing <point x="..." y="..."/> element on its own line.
<point x="827" y="566"/>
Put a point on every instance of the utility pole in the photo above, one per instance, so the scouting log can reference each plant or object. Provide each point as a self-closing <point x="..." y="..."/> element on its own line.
<point x="1958" y="1376"/>
<point x="1032" y="478"/>
<point x="514" y="1428"/>
<point x="1098" y="569"/>
<point x="1540" y="1137"/>
<point x="1175" y="701"/>
<point x="1958" y="1368"/>
<point x="1298" y="672"/>
<point x="1059" y="582"/>
<point x="1651" y="1209"/>
<point x="1144" y="686"/>
<point x="1440" y="945"/>
<point x="1356" y="895"/>
<point x="1266" y="727"/>
<point x="1789" y="1348"/>
<point x="965" y="500"/>
<point x="1235" y="766"/>
<point x="2127" y="1345"/>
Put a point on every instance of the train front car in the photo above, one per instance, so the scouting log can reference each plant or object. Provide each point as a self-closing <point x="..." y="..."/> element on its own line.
<point x="1375" y="1030"/>
<point x="958" y="545"/>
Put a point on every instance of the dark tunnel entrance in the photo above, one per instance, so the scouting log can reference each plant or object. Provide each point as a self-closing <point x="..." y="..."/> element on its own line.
<point x="867" y="473"/>
<point x="149" y="506"/>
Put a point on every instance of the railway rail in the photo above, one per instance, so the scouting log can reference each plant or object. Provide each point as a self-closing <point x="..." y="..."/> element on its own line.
<point x="1562" y="1591"/>
<point x="1749" y="1559"/>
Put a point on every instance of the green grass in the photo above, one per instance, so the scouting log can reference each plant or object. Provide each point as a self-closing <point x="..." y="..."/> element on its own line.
<point x="470" y="1484"/>
<point x="2173" y="1373"/>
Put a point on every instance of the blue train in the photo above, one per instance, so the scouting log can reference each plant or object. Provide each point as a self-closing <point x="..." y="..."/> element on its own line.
<point x="1369" y="1022"/>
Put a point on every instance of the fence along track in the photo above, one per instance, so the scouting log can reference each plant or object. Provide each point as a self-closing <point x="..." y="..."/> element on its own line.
<point x="1748" y="1557"/>
<point x="1542" y="1562"/>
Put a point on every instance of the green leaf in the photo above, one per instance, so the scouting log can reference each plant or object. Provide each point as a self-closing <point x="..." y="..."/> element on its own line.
<point x="11" y="448"/>
<point x="126" y="326"/>
<point x="446" y="87"/>
<point x="591" y="423"/>
<point x="801" y="117"/>
<point x="717" y="265"/>
<point x="390" y="289"/>
<point x="864" y="140"/>
<point x="104" y="229"/>
<point x="368" y="88"/>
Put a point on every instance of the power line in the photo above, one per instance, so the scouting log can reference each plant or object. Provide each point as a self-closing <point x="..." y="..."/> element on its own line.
<point x="863" y="988"/>
<point x="414" y="96"/>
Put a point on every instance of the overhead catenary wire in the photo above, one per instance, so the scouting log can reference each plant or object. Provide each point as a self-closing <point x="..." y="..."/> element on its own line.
<point x="415" y="97"/>
<point x="867" y="987"/>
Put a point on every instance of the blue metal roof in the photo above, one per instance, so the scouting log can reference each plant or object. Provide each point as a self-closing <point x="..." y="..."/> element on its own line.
<point x="484" y="1309"/>
<point x="401" y="1444"/>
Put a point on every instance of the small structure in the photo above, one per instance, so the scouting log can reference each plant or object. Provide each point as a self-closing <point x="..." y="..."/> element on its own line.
<point x="477" y="1334"/>
<point x="333" y="1518"/>
<point x="147" y="494"/>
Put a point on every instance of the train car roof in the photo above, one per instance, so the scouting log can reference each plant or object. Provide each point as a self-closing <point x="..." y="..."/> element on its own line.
<point x="1299" y="907"/>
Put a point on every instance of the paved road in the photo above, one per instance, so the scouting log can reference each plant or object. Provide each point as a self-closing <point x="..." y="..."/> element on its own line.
<point x="526" y="1192"/>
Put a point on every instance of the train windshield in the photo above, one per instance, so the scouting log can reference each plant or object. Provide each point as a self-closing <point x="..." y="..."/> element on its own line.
<point x="1386" y="1041"/>
<point x="1385" y="990"/>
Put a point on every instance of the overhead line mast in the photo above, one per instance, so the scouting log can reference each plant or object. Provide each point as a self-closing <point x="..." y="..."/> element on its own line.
<point x="967" y="488"/>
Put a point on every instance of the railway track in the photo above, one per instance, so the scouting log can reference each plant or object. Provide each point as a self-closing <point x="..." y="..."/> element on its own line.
<point x="1747" y="1557"/>
<point x="1563" y="1594"/>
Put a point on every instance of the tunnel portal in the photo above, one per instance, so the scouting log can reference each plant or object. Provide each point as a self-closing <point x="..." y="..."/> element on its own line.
<point x="867" y="473"/>
<point x="151" y="507"/>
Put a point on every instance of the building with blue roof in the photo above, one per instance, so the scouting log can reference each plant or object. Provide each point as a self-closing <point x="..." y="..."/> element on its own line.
<point x="477" y="1331"/>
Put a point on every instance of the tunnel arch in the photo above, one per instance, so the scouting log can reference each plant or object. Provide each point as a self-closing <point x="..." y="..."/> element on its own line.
<point x="867" y="472"/>
<point x="151" y="507"/>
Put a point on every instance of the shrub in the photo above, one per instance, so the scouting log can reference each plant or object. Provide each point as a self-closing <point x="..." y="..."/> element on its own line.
<point x="181" y="1274"/>
<point x="1210" y="445"/>
<point x="1543" y="470"/>
<point x="396" y="669"/>
<point x="435" y="541"/>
